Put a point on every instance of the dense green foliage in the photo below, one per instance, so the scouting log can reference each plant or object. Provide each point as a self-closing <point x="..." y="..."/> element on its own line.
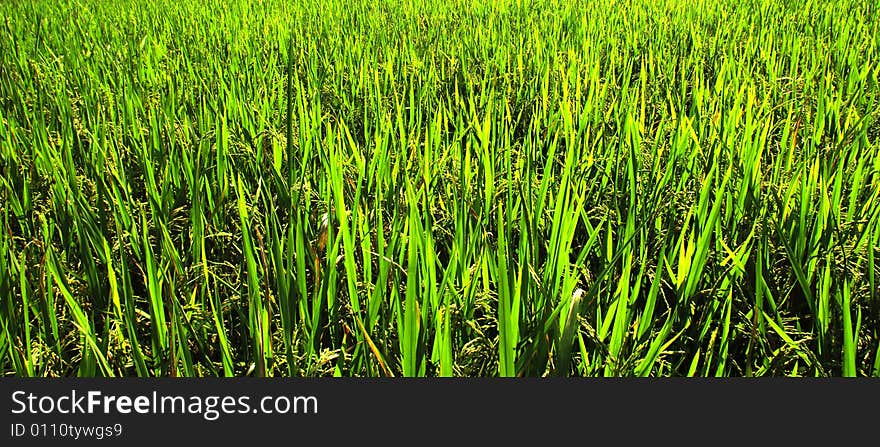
<point x="439" y="187"/>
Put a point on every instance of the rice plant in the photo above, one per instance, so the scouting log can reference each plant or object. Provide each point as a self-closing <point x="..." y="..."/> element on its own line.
<point x="439" y="188"/>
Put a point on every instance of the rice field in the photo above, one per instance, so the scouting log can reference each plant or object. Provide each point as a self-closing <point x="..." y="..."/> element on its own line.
<point x="439" y="188"/>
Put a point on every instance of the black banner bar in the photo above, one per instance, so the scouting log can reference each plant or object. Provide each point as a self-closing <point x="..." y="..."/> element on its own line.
<point x="449" y="411"/>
